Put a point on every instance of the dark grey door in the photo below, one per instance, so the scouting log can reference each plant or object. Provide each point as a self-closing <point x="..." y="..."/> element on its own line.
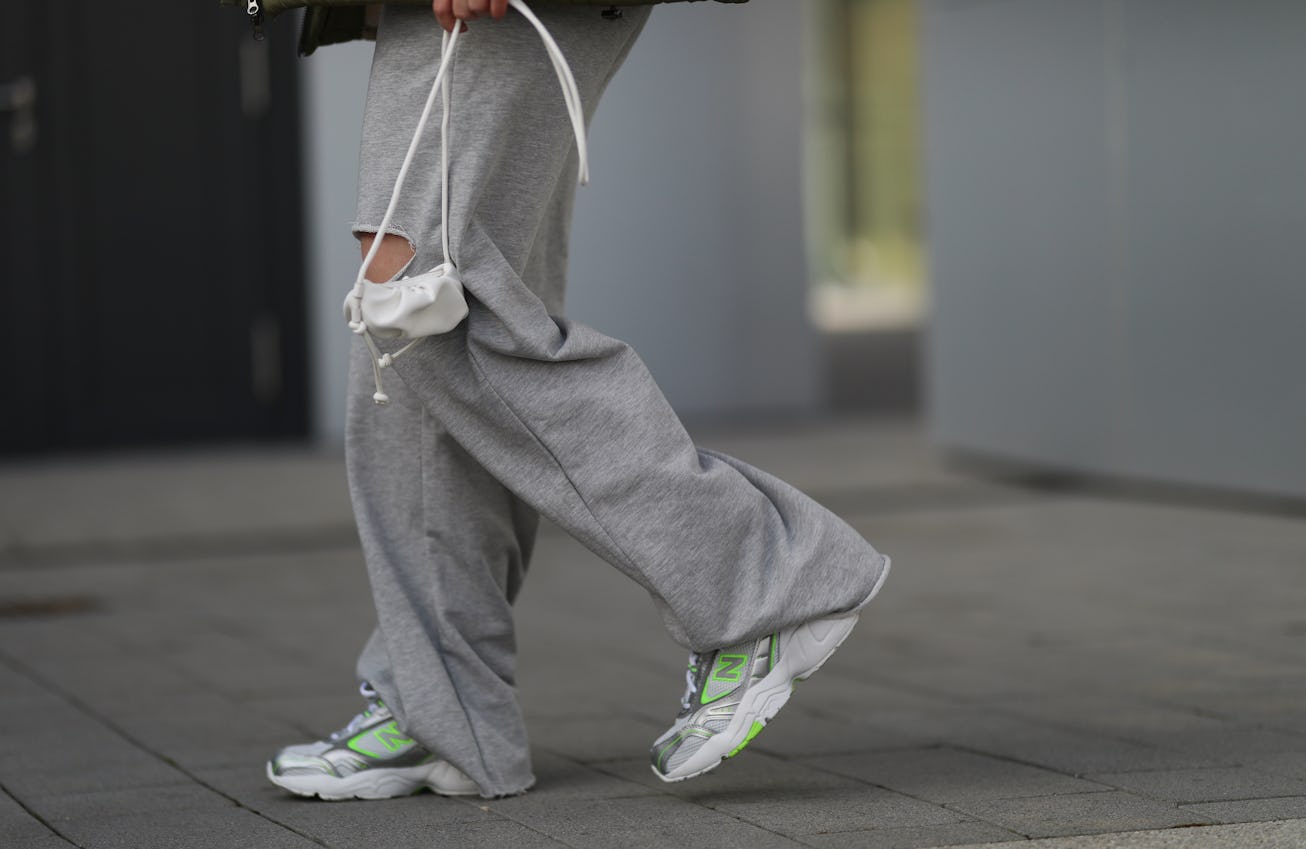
<point x="150" y="228"/>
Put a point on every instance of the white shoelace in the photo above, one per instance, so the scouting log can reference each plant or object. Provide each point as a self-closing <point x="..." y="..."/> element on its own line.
<point x="441" y="84"/>
<point x="691" y="681"/>
<point x="373" y="701"/>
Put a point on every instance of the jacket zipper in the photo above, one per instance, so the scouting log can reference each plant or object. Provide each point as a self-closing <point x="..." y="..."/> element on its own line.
<point x="254" y="9"/>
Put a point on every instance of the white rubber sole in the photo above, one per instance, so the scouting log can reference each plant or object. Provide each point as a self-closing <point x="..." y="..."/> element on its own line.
<point x="379" y="783"/>
<point x="810" y="646"/>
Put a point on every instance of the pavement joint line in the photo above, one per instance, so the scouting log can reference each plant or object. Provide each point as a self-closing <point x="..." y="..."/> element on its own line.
<point x="892" y="499"/>
<point x="42" y="820"/>
<point x="73" y="701"/>
<point x="664" y="794"/>
<point x="1143" y="794"/>
<point x="507" y="815"/>
<point x="944" y="805"/>
<point x="1248" y="799"/>
<point x="1086" y="776"/>
<point x="1128" y="838"/>
<point x="950" y="806"/>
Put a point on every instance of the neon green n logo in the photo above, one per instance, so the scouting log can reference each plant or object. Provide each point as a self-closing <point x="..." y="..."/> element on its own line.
<point x="388" y="735"/>
<point x="729" y="667"/>
<point x="391" y="738"/>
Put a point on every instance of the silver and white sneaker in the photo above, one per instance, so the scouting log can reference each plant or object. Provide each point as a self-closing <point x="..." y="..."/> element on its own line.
<point x="370" y="758"/>
<point x="733" y="692"/>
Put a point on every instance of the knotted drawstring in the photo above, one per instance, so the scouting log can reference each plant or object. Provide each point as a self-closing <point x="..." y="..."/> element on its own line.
<point x="448" y="42"/>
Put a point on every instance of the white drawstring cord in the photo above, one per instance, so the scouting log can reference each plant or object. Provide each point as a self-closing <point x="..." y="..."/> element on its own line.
<point x="575" y="111"/>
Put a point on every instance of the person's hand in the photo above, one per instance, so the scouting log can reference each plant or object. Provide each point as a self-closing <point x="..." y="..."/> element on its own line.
<point x="450" y="12"/>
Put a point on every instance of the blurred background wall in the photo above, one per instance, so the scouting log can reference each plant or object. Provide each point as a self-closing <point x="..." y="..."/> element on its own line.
<point x="1117" y="202"/>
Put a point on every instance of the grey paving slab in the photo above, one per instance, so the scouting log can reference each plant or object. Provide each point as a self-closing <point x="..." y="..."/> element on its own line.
<point x="417" y="821"/>
<point x="492" y="834"/>
<point x="558" y="777"/>
<point x="1291" y="764"/>
<point x="40" y="841"/>
<point x="47" y="723"/>
<point x="1066" y="651"/>
<point x="20" y="826"/>
<point x="203" y="759"/>
<point x="28" y="777"/>
<point x="1274" y="835"/>
<point x="36" y="785"/>
<point x="1068" y="751"/>
<point x="1081" y="813"/>
<point x="1111" y="711"/>
<point x="198" y="724"/>
<point x="1252" y="810"/>
<point x="948" y="775"/>
<point x="913" y="837"/>
<point x="813" y="811"/>
<point x="18" y="691"/>
<point x="1229" y="741"/>
<point x="313" y="716"/>
<point x="77" y="659"/>
<point x="747" y="773"/>
<point x="1206" y="785"/>
<point x="169" y="496"/>
<point x="164" y="829"/>
<point x="654" y="822"/>
<point x="797" y="733"/>
<point x="792" y="798"/>
<point x="128" y="802"/>
<point x="854" y="689"/>
<point x="596" y="739"/>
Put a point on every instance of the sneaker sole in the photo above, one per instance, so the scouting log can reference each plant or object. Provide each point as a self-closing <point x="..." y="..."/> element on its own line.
<point x="377" y="783"/>
<point x="765" y="698"/>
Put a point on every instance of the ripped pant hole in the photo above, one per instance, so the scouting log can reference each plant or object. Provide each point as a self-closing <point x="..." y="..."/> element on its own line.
<point x="391" y="259"/>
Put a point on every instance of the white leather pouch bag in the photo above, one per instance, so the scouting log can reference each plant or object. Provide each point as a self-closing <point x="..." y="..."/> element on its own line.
<point x="413" y="307"/>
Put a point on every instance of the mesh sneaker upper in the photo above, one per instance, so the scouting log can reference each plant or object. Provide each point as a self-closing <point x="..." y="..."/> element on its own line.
<point x="715" y="684"/>
<point x="371" y="739"/>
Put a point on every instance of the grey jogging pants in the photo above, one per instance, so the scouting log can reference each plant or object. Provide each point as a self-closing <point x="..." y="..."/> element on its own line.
<point x="519" y="412"/>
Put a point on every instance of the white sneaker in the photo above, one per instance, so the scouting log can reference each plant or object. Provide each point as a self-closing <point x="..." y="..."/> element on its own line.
<point x="370" y="758"/>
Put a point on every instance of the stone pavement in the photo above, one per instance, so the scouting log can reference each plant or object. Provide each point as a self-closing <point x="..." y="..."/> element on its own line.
<point x="1040" y="665"/>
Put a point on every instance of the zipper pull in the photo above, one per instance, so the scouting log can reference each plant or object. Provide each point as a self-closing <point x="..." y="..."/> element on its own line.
<point x="255" y="11"/>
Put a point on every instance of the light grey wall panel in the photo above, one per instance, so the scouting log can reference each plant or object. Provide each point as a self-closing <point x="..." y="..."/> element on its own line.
<point x="1018" y="228"/>
<point x="1216" y="329"/>
<point x="689" y="241"/>
<point x="1118" y="197"/>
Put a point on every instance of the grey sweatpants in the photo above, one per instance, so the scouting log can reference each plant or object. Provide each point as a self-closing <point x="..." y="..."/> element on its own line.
<point x="519" y="412"/>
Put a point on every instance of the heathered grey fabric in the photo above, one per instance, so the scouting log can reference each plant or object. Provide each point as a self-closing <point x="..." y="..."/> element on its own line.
<point x="520" y="410"/>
